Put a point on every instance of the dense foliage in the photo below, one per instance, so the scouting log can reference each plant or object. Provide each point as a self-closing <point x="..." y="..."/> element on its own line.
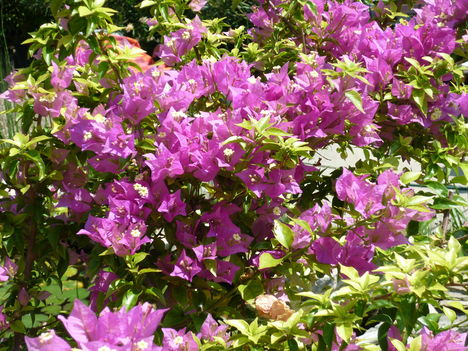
<point x="180" y="202"/>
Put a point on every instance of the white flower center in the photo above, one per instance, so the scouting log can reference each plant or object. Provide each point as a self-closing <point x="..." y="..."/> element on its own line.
<point x="236" y="237"/>
<point x="105" y="348"/>
<point x="137" y="87"/>
<point x="276" y="211"/>
<point x="45" y="337"/>
<point x="135" y="233"/>
<point x="178" y="114"/>
<point x="228" y="152"/>
<point x="100" y="118"/>
<point x="178" y="340"/>
<point x="142" y="190"/>
<point x="47" y="98"/>
<point x="87" y="135"/>
<point x="141" y="345"/>
<point x="252" y="80"/>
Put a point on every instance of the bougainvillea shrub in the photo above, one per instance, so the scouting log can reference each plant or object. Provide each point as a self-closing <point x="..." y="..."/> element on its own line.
<point x="178" y="200"/>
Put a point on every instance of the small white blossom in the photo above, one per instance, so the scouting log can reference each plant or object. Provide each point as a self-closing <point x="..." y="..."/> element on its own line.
<point x="276" y="211"/>
<point x="100" y="118"/>
<point x="178" y="340"/>
<point x="87" y="135"/>
<point x="141" y="345"/>
<point x="45" y="337"/>
<point x="137" y="87"/>
<point x="228" y="152"/>
<point x="142" y="190"/>
<point x="135" y="233"/>
<point x="252" y="80"/>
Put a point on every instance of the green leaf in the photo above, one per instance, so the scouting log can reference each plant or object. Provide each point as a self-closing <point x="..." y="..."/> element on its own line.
<point x="83" y="11"/>
<point x="251" y="290"/>
<point x="409" y="177"/>
<point x="303" y="224"/>
<point x="355" y="98"/>
<point x="431" y="321"/>
<point x="235" y="4"/>
<point x="416" y="344"/>
<point x="329" y="334"/>
<point x="350" y="272"/>
<point x="233" y="139"/>
<point x="417" y="200"/>
<point x="27" y="118"/>
<point x="240" y="325"/>
<point x="419" y="97"/>
<point x="415" y="64"/>
<point x="292" y="343"/>
<point x="35" y="156"/>
<point x="458" y="305"/>
<point x="245" y="124"/>
<point x="283" y="233"/>
<point x="454" y="245"/>
<point x="36" y="140"/>
<point x="268" y="261"/>
<point x="345" y="331"/>
<point x="147" y="3"/>
<point x="447" y="204"/>
<point x="276" y="132"/>
<point x="211" y="266"/>
<point x="55" y="6"/>
<point x="149" y="270"/>
<point x="9" y="141"/>
<point x="437" y="188"/>
<point x="398" y="344"/>
<point x="312" y="7"/>
<point x="130" y="299"/>
<point x="464" y="167"/>
<point x="138" y="257"/>
<point x="381" y="318"/>
<point x="451" y="314"/>
<point x="382" y="335"/>
<point x="18" y="327"/>
<point x="108" y="251"/>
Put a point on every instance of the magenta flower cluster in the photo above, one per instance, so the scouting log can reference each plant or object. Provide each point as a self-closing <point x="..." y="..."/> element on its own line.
<point x="122" y="330"/>
<point x="199" y="148"/>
